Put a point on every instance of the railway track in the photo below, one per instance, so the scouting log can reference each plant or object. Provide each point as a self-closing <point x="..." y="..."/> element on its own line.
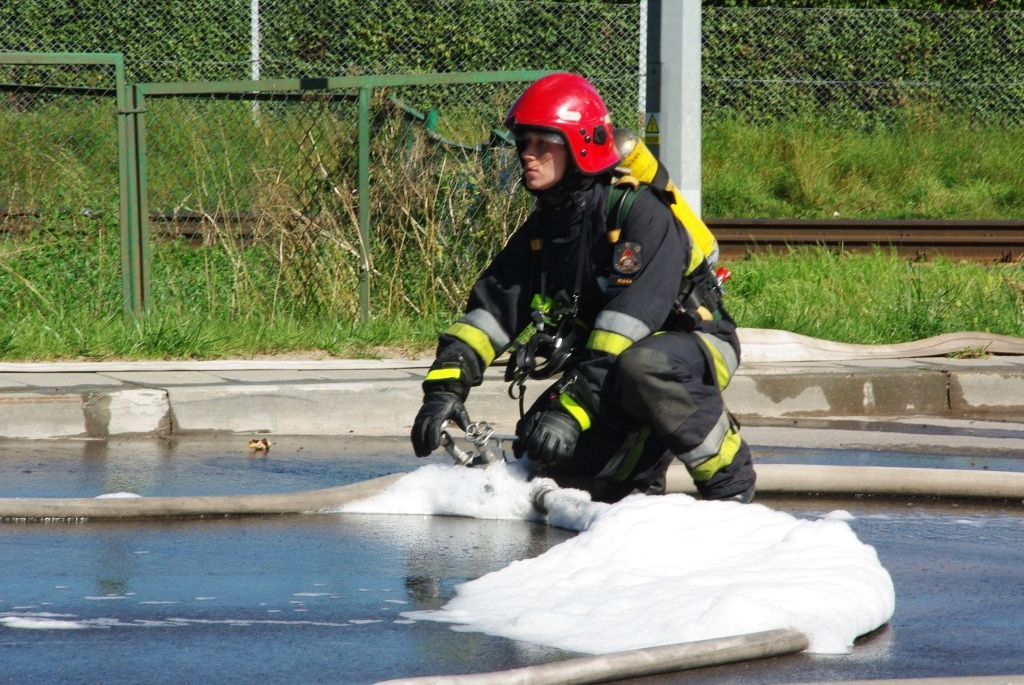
<point x="976" y="240"/>
<point x="921" y="239"/>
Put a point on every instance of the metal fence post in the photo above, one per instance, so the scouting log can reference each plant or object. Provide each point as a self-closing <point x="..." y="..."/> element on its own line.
<point x="126" y="174"/>
<point x="364" y="202"/>
<point x="652" y="78"/>
<point x="134" y="214"/>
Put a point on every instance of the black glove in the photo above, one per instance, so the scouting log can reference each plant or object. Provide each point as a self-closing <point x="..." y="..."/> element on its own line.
<point x="547" y="437"/>
<point x="437" y="408"/>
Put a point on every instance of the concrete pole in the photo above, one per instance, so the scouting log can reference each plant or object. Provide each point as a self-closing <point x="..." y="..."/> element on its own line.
<point x="254" y="39"/>
<point x="642" y="59"/>
<point x="254" y="52"/>
<point x="677" y="111"/>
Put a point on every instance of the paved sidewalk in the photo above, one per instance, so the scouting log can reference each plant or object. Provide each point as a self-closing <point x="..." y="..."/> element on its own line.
<point x="782" y="381"/>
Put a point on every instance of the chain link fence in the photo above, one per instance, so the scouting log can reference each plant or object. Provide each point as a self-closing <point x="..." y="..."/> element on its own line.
<point x="59" y="192"/>
<point x="217" y="40"/>
<point x="242" y="187"/>
<point x="858" y="68"/>
<point x="252" y="199"/>
<point x="280" y="196"/>
<point x="762" y="63"/>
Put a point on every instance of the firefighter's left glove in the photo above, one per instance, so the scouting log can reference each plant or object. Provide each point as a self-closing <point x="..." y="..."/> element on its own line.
<point x="438" y="408"/>
<point x="547" y="437"/>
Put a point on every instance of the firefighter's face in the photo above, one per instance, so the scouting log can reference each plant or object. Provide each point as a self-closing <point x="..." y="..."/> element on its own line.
<point x="543" y="157"/>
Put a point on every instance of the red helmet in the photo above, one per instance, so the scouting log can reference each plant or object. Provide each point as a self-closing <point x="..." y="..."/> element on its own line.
<point x="570" y="105"/>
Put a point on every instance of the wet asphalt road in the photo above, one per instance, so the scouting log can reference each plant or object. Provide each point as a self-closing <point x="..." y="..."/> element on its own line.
<point x="318" y="599"/>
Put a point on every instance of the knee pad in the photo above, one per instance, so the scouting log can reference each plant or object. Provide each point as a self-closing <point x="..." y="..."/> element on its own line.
<point x="651" y="390"/>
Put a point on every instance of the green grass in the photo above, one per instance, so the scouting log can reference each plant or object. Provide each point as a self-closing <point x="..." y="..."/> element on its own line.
<point x="208" y="311"/>
<point x="292" y="286"/>
<point x="193" y="335"/>
<point x="876" y="297"/>
<point x="923" y="167"/>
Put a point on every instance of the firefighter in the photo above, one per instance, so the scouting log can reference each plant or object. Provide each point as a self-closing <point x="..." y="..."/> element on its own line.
<point x="628" y="321"/>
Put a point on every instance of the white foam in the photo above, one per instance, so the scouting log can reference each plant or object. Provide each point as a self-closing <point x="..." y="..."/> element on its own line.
<point x="649" y="571"/>
<point x="40" y="623"/>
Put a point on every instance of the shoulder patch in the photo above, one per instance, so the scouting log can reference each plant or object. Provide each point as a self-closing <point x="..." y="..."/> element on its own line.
<point x="628" y="258"/>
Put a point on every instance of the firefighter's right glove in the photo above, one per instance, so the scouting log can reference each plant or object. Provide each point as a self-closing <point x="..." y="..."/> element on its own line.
<point x="438" y="408"/>
<point x="547" y="437"/>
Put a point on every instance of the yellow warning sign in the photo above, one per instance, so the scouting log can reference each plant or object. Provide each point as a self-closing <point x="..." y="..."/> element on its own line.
<point x="652" y="134"/>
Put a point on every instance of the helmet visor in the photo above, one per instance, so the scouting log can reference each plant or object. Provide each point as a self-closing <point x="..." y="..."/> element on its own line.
<point x="526" y="136"/>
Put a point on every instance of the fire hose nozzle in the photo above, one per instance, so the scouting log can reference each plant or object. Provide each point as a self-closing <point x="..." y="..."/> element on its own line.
<point x="459" y="455"/>
<point x="540" y="493"/>
<point x="483" y="438"/>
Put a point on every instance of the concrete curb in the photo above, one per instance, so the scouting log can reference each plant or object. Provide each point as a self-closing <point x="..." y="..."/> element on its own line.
<point x="381" y="397"/>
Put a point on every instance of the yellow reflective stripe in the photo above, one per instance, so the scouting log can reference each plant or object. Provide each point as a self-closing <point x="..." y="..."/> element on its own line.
<point x="606" y="341"/>
<point x="712" y="444"/>
<point x="575" y="410"/>
<point x="722" y="374"/>
<point x="475" y="338"/>
<point x="724" y="357"/>
<point x="443" y="374"/>
<point x="623" y="324"/>
<point x="730" y="446"/>
<point x="629" y="462"/>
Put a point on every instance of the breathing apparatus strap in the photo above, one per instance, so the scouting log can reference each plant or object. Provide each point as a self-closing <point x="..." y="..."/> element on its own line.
<point x="619" y="208"/>
<point x="555" y="347"/>
<point x="700" y="297"/>
<point x="584" y="252"/>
